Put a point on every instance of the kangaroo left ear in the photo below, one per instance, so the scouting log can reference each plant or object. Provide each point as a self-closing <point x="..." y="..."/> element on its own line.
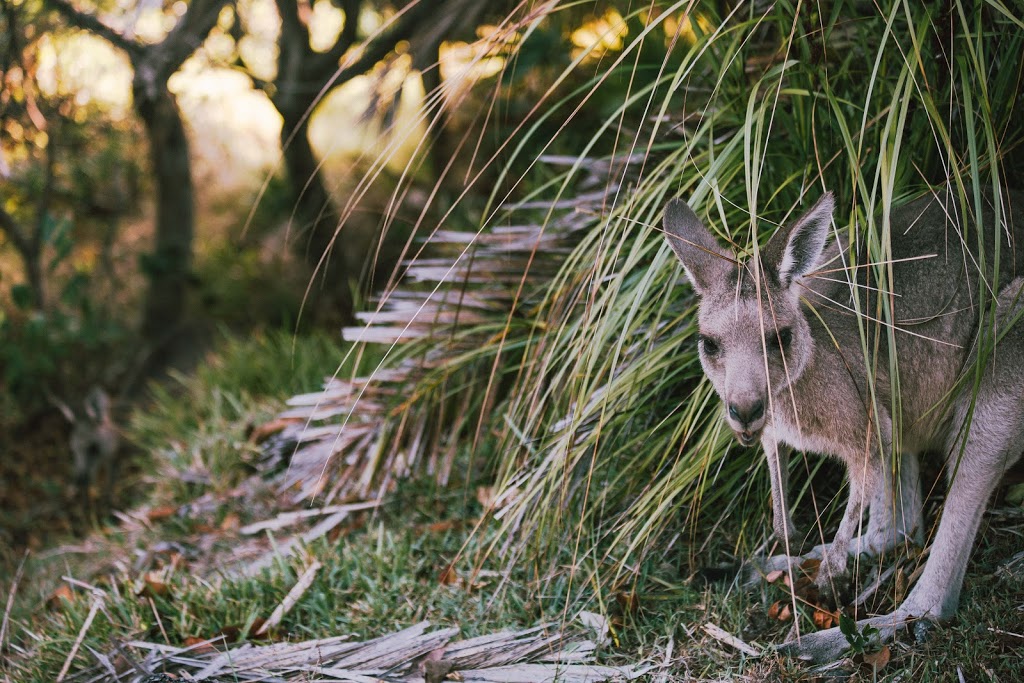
<point x="804" y="242"/>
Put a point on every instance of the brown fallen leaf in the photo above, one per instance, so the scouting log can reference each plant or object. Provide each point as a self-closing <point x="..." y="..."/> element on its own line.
<point x="810" y="567"/>
<point x="448" y="576"/>
<point x="774" y="576"/>
<point x="256" y="630"/>
<point x="57" y="598"/>
<point x="153" y="586"/>
<point x="261" y="433"/>
<point x="228" y="634"/>
<point x="444" y="525"/>
<point x="231" y="522"/>
<point x="161" y="512"/>
<point x="200" y="646"/>
<point x="780" y="611"/>
<point x="824" y="619"/>
<point x="877" y="660"/>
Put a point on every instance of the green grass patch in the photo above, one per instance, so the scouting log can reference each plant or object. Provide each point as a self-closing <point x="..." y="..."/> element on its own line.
<point x="199" y="423"/>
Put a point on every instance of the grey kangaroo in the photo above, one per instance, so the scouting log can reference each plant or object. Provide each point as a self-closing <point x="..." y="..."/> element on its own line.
<point x="784" y="351"/>
<point x="94" y="444"/>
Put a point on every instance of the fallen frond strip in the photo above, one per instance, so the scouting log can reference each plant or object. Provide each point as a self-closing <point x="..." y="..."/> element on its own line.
<point x="442" y="327"/>
<point x="418" y="653"/>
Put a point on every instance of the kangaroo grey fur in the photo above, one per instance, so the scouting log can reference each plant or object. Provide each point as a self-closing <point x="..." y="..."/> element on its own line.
<point x="783" y="350"/>
<point x="94" y="442"/>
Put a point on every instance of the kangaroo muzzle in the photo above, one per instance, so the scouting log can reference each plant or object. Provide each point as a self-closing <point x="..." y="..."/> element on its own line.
<point x="746" y="419"/>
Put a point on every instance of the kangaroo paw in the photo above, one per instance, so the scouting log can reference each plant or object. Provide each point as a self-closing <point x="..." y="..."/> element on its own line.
<point x="832" y="573"/>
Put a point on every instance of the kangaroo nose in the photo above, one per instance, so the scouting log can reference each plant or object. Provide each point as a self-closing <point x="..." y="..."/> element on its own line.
<point x="746" y="415"/>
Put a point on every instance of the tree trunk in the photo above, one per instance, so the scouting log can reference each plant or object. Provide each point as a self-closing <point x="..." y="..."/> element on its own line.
<point x="315" y="228"/>
<point x="169" y="265"/>
<point x="301" y="73"/>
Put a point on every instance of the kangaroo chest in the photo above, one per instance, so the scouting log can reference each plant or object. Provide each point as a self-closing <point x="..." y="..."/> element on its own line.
<point x="824" y="414"/>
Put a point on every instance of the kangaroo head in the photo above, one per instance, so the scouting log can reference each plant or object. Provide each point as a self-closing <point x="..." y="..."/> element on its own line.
<point x="93" y="434"/>
<point x="754" y="336"/>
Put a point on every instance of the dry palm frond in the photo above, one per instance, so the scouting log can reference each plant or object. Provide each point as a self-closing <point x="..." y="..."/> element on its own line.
<point x="414" y="654"/>
<point x="441" y="327"/>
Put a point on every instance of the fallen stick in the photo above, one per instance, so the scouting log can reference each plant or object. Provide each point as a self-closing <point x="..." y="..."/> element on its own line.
<point x="294" y="595"/>
<point x="97" y="602"/>
<point x="724" y="636"/>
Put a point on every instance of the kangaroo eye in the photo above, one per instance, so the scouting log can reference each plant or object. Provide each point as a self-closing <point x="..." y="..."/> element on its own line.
<point x="781" y="340"/>
<point x="709" y="346"/>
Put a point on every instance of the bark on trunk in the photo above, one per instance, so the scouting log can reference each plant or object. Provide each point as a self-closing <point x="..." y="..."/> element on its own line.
<point x="315" y="223"/>
<point x="301" y="73"/>
<point x="170" y="263"/>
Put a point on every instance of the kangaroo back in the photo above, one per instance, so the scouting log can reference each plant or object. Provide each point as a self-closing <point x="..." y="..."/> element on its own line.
<point x="940" y="280"/>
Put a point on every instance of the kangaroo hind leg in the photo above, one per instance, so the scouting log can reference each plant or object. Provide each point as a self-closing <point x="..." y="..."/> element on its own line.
<point x="987" y="439"/>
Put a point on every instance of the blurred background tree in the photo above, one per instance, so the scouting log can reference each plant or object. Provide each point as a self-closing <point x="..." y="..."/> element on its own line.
<point x="143" y="205"/>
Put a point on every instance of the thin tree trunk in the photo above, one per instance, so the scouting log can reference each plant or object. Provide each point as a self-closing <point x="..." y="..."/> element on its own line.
<point x="169" y="264"/>
<point x="29" y="249"/>
<point x="316" y="222"/>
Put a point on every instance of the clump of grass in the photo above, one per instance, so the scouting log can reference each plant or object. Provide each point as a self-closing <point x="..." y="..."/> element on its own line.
<point x="385" y="576"/>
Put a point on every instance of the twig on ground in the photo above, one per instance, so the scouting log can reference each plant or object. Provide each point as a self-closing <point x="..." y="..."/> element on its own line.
<point x="723" y="636"/>
<point x="97" y="602"/>
<point x="294" y="595"/>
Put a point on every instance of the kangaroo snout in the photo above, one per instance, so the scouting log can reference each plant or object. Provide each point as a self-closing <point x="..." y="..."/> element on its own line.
<point x="746" y="419"/>
<point x="746" y="414"/>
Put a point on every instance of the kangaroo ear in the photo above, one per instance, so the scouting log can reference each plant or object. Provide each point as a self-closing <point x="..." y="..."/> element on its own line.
<point x="704" y="261"/>
<point x="804" y="242"/>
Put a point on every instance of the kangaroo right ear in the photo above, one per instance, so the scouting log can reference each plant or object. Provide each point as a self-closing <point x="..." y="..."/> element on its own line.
<point x="804" y="242"/>
<point x="704" y="261"/>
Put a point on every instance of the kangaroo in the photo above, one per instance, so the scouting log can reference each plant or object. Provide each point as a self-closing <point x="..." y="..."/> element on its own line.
<point x="94" y="444"/>
<point x="784" y="350"/>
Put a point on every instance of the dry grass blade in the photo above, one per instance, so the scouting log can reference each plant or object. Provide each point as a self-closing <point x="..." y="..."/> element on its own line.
<point x="97" y="603"/>
<point x="10" y="601"/>
<point x="293" y="596"/>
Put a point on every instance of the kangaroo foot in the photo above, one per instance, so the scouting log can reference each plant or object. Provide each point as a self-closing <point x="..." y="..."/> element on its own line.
<point x="832" y="644"/>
